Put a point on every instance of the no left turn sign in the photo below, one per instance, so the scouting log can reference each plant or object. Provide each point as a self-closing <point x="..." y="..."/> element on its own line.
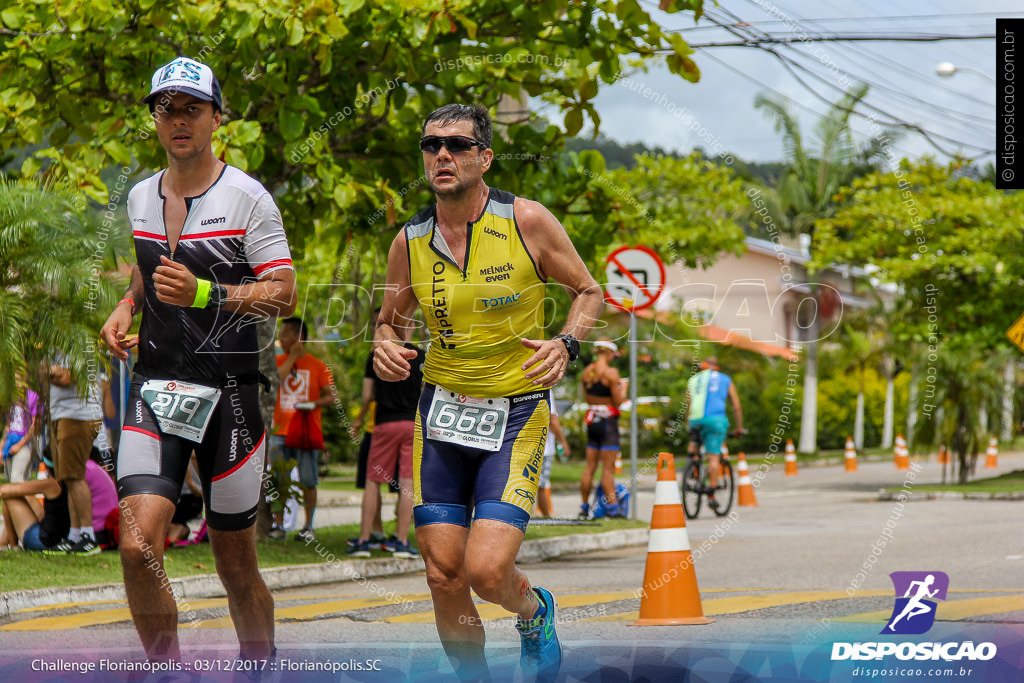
<point x="635" y="277"/>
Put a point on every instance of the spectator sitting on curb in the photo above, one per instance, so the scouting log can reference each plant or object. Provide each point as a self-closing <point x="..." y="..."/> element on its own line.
<point x="27" y="523"/>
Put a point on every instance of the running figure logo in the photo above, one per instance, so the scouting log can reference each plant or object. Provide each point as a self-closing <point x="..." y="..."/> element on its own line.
<point x="914" y="613"/>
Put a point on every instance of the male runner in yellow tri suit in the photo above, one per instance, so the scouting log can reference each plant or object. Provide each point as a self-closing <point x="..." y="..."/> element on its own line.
<point x="477" y="262"/>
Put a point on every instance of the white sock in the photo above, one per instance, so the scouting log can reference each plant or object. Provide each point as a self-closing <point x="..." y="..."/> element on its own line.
<point x="87" y="531"/>
<point x="74" y="534"/>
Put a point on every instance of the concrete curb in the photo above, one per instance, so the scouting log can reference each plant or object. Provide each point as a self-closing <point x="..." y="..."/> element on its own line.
<point x="330" y="571"/>
<point x="951" y="495"/>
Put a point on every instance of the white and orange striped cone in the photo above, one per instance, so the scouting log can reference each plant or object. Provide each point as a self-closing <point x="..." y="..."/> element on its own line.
<point x="992" y="454"/>
<point x="790" y="458"/>
<point x="943" y="455"/>
<point x="746" y="488"/>
<point x="901" y="453"/>
<point x="670" y="594"/>
<point x="618" y="463"/>
<point x="851" y="455"/>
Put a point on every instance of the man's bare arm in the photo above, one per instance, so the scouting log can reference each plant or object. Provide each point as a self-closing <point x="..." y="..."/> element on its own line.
<point x="557" y="259"/>
<point x="120" y="320"/>
<point x="394" y="324"/>
<point x="272" y="295"/>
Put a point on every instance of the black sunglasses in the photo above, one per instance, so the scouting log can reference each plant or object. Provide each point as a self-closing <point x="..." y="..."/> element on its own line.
<point x="454" y="143"/>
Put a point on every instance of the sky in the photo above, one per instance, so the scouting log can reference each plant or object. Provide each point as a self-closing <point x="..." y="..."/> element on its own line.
<point x="902" y="77"/>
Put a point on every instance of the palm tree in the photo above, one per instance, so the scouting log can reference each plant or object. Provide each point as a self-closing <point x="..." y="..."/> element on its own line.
<point x="970" y="379"/>
<point x="804" y="194"/>
<point x="862" y="349"/>
<point x="57" y="287"/>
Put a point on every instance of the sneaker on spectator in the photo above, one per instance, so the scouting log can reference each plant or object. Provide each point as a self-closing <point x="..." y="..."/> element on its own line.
<point x="541" y="652"/>
<point x="85" y="546"/>
<point x="584" y="511"/>
<point x="388" y="545"/>
<point x="276" y="533"/>
<point x="404" y="550"/>
<point x="305" y="535"/>
<point x="61" y="548"/>
<point x="376" y="541"/>
<point x="359" y="550"/>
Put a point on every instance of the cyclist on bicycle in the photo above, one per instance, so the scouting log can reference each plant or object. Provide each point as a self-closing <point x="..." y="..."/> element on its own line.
<point x="706" y="393"/>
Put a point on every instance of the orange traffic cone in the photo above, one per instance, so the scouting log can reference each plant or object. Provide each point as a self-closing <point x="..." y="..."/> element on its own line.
<point x="851" y="455"/>
<point x="790" y="458"/>
<point x="670" y="594"/>
<point x="618" y="463"/>
<point x="993" y="453"/>
<point x="743" y="479"/>
<point x="901" y="453"/>
<point x="943" y="455"/>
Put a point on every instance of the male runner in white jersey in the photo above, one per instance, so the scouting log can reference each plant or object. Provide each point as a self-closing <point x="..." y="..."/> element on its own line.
<point x="478" y="262"/>
<point x="212" y="259"/>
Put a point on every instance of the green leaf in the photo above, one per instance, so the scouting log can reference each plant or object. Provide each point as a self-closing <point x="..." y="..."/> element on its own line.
<point x="343" y="195"/>
<point x="14" y="17"/>
<point x="684" y="66"/>
<point x="609" y="70"/>
<point x="236" y="157"/>
<point x="250" y="24"/>
<point x="573" y="121"/>
<point x="295" y="31"/>
<point x="592" y="161"/>
<point x="335" y="27"/>
<point x="347" y="7"/>
<point x="118" y="151"/>
<point x="292" y="123"/>
<point x="588" y="90"/>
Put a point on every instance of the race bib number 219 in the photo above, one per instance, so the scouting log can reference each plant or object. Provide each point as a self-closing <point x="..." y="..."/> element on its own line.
<point x="467" y="421"/>
<point x="181" y="409"/>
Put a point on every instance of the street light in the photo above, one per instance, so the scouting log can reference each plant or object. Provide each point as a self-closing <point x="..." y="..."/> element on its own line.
<point x="947" y="69"/>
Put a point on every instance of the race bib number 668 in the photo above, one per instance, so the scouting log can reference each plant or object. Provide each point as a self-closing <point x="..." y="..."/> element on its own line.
<point x="467" y="421"/>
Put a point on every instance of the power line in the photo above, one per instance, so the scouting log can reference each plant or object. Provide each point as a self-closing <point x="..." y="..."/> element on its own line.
<point x="900" y="122"/>
<point x="847" y="38"/>
<point x="886" y="19"/>
<point x="789" y="65"/>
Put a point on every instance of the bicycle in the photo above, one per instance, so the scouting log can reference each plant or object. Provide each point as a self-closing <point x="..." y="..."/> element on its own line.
<point x="695" y="484"/>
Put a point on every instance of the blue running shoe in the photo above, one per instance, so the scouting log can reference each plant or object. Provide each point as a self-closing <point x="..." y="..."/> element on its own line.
<point x="542" y="653"/>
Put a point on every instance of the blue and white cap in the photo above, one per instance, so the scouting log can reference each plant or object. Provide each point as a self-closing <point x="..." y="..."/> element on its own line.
<point x="187" y="76"/>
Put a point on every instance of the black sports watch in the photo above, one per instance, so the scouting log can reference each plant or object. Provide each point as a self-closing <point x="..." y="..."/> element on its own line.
<point x="218" y="295"/>
<point x="572" y="345"/>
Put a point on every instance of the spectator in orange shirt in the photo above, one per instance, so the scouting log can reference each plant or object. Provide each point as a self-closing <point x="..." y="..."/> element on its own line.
<point x="306" y="386"/>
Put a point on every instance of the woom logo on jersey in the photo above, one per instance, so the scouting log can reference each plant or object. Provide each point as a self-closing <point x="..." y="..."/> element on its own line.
<point x="914" y="614"/>
<point x="214" y="221"/>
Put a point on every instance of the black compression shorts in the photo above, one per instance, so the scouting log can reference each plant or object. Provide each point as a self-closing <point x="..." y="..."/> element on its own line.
<point x="230" y="457"/>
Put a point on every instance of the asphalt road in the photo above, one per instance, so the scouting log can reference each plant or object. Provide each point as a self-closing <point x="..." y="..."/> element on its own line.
<point x="783" y="581"/>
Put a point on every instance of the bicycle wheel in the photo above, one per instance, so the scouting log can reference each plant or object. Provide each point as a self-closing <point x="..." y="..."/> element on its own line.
<point x="691" y="489"/>
<point x="726" y="489"/>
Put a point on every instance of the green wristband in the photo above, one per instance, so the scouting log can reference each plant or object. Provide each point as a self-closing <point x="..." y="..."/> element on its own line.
<point x="202" y="293"/>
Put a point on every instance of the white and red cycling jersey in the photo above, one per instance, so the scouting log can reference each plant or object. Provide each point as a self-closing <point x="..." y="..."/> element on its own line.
<point x="232" y="235"/>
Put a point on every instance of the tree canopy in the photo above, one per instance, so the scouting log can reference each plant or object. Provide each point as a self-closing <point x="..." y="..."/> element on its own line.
<point x="946" y="239"/>
<point x="323" y="100"/>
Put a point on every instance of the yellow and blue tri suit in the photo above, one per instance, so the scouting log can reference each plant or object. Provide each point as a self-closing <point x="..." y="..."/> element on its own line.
<point x="481" y="425"/>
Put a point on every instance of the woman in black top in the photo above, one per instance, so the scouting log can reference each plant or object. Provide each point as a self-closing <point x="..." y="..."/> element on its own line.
<point x="603" y="390"/>
<point x="35" y="526"/>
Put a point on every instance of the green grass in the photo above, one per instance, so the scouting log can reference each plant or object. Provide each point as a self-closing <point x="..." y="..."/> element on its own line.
<point x="1011" y="482"/>
<point x="28" y="570"/>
